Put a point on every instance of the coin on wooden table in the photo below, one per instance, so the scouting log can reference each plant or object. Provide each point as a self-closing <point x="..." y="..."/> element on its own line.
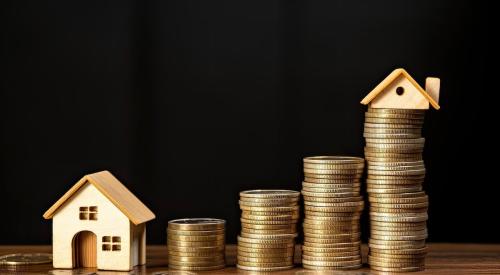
<point x="203" y="224"/>
<point x="195" y="268"/>
<point x="263" y="269"/>
<point x="25" y="259"/>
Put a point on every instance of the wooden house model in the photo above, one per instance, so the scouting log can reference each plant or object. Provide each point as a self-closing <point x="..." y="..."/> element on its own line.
<point x="400" y="91"/>
<point x="99" y="223"/>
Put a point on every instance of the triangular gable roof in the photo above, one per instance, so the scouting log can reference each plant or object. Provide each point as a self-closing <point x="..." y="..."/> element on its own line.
<point x="389" y="79"/>
<point x="115" y="191"/>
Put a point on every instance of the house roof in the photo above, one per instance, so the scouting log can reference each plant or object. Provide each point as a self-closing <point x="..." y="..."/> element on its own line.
<point x="115" y="191"/>
<point x="389" y="79"/>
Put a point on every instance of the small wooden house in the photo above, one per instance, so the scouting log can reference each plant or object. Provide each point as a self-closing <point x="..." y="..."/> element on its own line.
<point x="99" y="223"/>
<point x="400" y="91"/>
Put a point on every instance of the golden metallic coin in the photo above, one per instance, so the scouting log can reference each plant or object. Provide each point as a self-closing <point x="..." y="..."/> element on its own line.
<point x="272" y="254"/>
<point x="397" y="172"/>
<point x="330" y="185"/>
<point x="348" y="180"/>
<point x="275" y="203"/>
<point x="339" y="204"/>
<point x="270" y="209"/>
<point x="337" y="245"/>
<point x="401" y="141"/>
<point x="267" y="222"/>
<point x="417" y="157"/>
<point x="263" y="269"/>
<point x="22" y="259"/>
<point x="396" y="256"/>
<point x="399" y="219"/>
<point x="378" y="214"/>
<point x="398" y="210"/>
<point x="375" y="182"/>
<point x="333" y="160"/>
<point x="332" y="263"/>
<point x="191" y="249"/>
<point x="398" y="233"/>
<point x="265" y="265"/>
<point x="195" y="254"/>
<point x="331" y="195"/>
<point x="268" y="217"/>
<point x="324" y="237"/>
<point x="394" y="148"/>
<point x="202" y="224"/>
<point x="331" y="255"/>
<point x="331" y="190"/>
<point x="195" y="268"/>
<point x="331" y="211"/>
<point x="398" y="228"/>
<point x="265" y="259"/>
<point x="391" y="169"/>
<point x="196" y="238"/>
<point x="277" y="239"/>
<point x="396" y="269"/>
<point x="407" y="121"/>
<point x="391" y="136"/>
<point x="401" y="131"/>
<point x="171" y="242"/>
<point x="334" y="225"/>
<point x="392" y="125"/>
<point x="326" y="268"/>
<point x="423" y="198"/>
<point x="198" y="259"/>
<point x="334" y="166"/>
<point x="269" y="193"/>
<point x="285" y="226"/>
<point x="398" y="238"/>
<point x="331" y="258"/>
<point x="397" y="163"/>
<point x="330" y="250"/>
<point x="417" y="205"/>
<point x="353" y="177"/>
<point x="267" y="231"/>
<point x="394" y="191"/>
<point x="334" y="171"/>
<point x="396" y="111"/>
<point x="407" y="251"/>
<point x="291" y="244"/>
<point x="201" y="263"/>
<point x="395" y="115"/>
<point x="331" y="200"/>
<point x="195" y="232"/>
<point x="262" y="251"/>
<point x="270" y="236"/>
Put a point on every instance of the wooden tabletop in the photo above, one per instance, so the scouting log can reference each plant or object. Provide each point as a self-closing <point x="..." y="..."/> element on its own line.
<point x="443" y="258"/>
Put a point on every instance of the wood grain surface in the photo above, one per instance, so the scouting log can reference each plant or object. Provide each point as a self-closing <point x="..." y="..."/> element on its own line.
<point x="443" y="258"/>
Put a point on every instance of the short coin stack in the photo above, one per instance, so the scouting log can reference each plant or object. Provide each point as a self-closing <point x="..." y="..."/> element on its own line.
<point x="398" y="206"/>
<point x="333" y="207"/>
<point x="268" y="229"/>
<point x="196" y="244"/>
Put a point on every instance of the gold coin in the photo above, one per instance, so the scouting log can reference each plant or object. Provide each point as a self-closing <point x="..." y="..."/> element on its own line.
<point x="417" y="157"/>
<point x="395" y="247"/>
<point x="202" y="224"/>
<point x="396" y="269"/>
<point x="399" y="200"/>
<point x="398" y="233"/>
<point x="264" y="265"/>
<point x="329" y="255"/>
<point x="330" y="185"/>
<point x="348" y="180"/>
<point x="171" y="242"/>
<point x="285" y="239"/>
<point x="332" y="190"/>
<point x="394" y="191"/>
<point x="202" y="263"/>
<point x="331" y="258"/>
<point x="395" y="177"/>
<point x="191" y="249"/>
<point x="270" y="193"/>
<point x="265" y="254"/>
<point x="323" y="268"/>
<point x="339" y="204"/>
<point x="25" y="259"/>
<point x="337" y="245"/>
<point x="329" y="250"/>
<point x="268" y="226"/>
<point x="265" y="259"/>
<point x="351" y="177"/>
<point x="393" y="169"/>
<point x="400" y="141"/>
<point x="333" y="160"/>
<point x="195" y="254"/>
<point x="334" y="166"/>
<point x="398" y="219"/>
<point x="268" y="217"/>
<point x="407" y="251"/>
<point x="267" y="222"/>
<point x="267" y="231"/>
<point x="266" y="246"/>
<point x="334" y="171"/>
<point x="198" y="259"/>
<point x="407" y="121"/>
<point x="400" y="195"/>
<point x="195" y="268"/>
<point x="330" y="200"/>
<point x="391" y="136"/>
<point x="397" y="228"/>
<point x="398" y="238"/>
<point x="331" y="211"/>
<point x="270" y="236"/>
<point x="331" y="263"/>
<point x="331" y="195"/>
<point x="270" y="209"/>
<point x="394" y="148"/>
<point x="324" y="237"/>
<point x="395" y="111"/>
<point x="379" y="214"/>
<point x="195" y="232"/>
<point x="398" y="210"/>
<point x="395" y="115"/>
<point x="401" y="131"/>
<point x="263" y="269"/>
<point x="397" y="163"/>
<point x="276" y="203"/>
<point x="285" y="250"/>
<point x="374" y="182"/>
<point x="400" y="205"/>
<point x="392" y="125"/>
<point x="395" y="256"/>
<point x="196" y="238"/>
<point x="334" y="225"/>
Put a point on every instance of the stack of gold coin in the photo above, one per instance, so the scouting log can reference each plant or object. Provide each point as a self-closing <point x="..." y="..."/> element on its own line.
<point x="333" y="206"/>
<point x="196" y="244"/>
<point x="398" y="206"/>
<point x="268" y="229"/>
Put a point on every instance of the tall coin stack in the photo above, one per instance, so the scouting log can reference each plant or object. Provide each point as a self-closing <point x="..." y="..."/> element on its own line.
<point x="196" y="244"/>
<point x="398" y="206"/>
<point x="268" y="229"/>
<point x="333" y="207"/>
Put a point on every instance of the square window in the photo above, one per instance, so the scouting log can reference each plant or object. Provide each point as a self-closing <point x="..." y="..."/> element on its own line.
<point x="106" y="247"/>
<point x="84" y="208"/>
<point x="93" y="208"/>
<point x="84" y="216"/>
<point x="117" y="247"/>
<point x="117" y="239"/>
<point x="106" y="239"/>
<point x="93" y="216"/>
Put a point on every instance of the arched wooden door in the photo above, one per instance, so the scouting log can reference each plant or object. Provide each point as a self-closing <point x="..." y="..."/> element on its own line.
<point x="85" y="249"/>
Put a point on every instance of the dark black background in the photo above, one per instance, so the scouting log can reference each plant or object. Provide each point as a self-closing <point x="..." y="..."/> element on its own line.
<point x="190" y="102"/>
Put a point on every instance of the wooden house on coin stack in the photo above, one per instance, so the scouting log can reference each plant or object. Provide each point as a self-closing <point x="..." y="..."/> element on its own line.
<point x="99" y="223"/>
<point x="400" y="91"/>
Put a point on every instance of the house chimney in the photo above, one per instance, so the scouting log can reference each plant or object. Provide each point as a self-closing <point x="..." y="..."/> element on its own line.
<point x="432" y="85"/>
